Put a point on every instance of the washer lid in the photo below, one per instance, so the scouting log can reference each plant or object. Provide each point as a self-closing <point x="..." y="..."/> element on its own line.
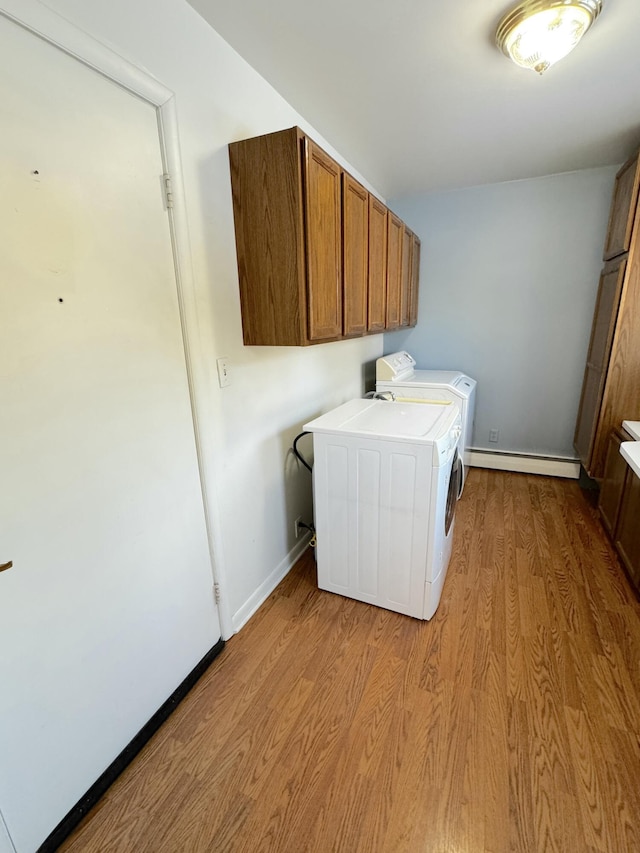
<point x="415" y="422"/>
<point x="450" y="378"/>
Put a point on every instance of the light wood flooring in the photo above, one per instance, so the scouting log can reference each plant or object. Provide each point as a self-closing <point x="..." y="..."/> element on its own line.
<point x="509" y="722"/>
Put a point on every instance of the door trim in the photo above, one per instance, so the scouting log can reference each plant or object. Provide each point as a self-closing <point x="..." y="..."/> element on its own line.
<point x="51" y="27"/>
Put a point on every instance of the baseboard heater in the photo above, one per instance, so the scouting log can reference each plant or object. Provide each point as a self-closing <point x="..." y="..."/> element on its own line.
<point x="100" y="786"/>
<point x="524" y="463"/>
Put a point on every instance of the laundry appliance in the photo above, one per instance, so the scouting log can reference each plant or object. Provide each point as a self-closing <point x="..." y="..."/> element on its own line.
<point x="396" y="373"/>
<point x="387" y="477"/>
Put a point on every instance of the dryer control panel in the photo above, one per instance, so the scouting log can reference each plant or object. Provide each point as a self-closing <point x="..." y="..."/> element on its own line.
<point x="397" y="365"/>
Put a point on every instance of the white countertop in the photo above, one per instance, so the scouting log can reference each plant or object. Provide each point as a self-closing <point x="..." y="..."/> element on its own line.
<point x="633" y="428"/>
<point x="631" y="452"/>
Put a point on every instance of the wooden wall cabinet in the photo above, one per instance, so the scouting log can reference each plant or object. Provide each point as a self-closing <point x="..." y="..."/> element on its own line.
<point x="395" y="234"/>
<point x="355" y="225"/>
<point x="403" y="272"/>
<point x="405" y="276"/>
<point x="319" y="257"/>
<point x="415" y="277"/>
<point x="377" y="280"/>
<point x="323" y="242"/>
<point x="611" y="386"/>
<point x="619" y="506"/>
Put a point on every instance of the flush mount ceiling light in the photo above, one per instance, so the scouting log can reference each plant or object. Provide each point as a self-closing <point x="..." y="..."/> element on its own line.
<point x="537" y="33"/>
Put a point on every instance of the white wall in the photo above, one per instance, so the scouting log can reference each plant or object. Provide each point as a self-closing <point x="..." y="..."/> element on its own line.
<point x="508" y="280"/>
<point x="259" y="488"/>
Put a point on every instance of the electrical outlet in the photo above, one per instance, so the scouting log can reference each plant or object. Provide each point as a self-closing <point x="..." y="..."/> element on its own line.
<point x="494" y="434"/>
<point x="296" y="526"/>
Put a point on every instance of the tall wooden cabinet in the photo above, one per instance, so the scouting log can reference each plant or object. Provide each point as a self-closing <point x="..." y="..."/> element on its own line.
<point x="619" y="505"/>
<point x="611" y="386"/>
<point x="623" y="210"/>
<point x="613" y="481"/>
<point x="627" y="538"/>
<point x="603" y="330"/>
<point x="319" y="257"/>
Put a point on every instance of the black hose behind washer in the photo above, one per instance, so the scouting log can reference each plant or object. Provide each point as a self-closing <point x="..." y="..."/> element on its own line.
<point x="297" y="452"/>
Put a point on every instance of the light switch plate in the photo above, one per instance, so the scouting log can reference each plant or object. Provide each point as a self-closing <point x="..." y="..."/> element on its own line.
<point x="224" y="372"/>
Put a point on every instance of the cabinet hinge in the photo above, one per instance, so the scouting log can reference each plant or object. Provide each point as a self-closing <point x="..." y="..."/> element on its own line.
<point x="168" y="191"/>
<point x="216" y="592"/>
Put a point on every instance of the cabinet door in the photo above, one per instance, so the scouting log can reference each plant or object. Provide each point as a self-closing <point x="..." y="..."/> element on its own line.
<point x="377" y="313"/>
<point x="623" y="209"/>
<point x="604" y="321"/>
<point x="395" y="231"/>
<point x="323" y="243"/>
<point x="611" y="488"/>
<point x="628" y="531"/>
<point x="355" y="254"/>
<point x="266" y="188"/>
<point x="405" y="277"/>
<point x="415" y="280"/>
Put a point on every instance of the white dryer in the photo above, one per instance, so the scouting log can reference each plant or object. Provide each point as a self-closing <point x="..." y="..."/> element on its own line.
<point x="387" y="477"/>
<point x="396" y="373"/>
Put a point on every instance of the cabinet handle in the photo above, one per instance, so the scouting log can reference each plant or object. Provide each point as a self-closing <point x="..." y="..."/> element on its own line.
<point x="5" y="566"/>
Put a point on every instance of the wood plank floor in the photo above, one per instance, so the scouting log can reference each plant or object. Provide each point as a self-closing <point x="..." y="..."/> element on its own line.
<point x="509" y="722"/>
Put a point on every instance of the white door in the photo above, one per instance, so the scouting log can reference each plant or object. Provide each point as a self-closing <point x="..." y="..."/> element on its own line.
<point x="109" y="603"/>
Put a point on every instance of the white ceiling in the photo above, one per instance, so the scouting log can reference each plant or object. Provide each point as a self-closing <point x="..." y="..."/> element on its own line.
<point x="417" y="97"/>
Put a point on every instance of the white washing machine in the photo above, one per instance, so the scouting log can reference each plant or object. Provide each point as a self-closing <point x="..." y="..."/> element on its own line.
<point x="396" y="373"/>
<point x="386" y="480"/>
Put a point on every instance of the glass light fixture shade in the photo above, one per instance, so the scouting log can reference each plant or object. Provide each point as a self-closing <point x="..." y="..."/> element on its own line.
<point x="538" y="33"/>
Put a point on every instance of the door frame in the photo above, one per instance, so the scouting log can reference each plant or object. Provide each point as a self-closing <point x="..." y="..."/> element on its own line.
<point x="51" y="27"/>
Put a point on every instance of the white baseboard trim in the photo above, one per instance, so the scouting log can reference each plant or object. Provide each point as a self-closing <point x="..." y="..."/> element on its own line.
<point x="242" y="616"/>
<point x="523" y="464"/>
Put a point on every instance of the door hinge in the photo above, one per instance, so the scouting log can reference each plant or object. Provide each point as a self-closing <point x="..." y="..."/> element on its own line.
<point x="216" y="592"/>
<point x="168" y="191"/>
